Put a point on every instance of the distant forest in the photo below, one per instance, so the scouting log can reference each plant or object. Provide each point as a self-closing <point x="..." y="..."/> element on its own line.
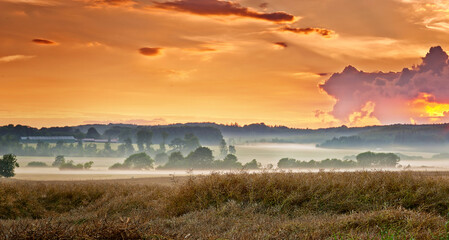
<point x="432" y="136"/>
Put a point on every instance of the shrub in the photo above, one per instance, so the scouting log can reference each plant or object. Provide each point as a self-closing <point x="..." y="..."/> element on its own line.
<point x="70" y="165"/>
<point x="59" y="160"/>
<point x="37" y="164"/>
<point x="253" y="165"/>
<point x="135" y="161"/>
<point x="7" y="165"/>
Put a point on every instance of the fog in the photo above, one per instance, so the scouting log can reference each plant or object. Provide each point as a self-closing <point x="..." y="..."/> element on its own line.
<point x="265" y="153"/>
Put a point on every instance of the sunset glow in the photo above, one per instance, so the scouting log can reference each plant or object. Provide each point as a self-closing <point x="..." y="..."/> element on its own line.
<point x="167" y="61"/>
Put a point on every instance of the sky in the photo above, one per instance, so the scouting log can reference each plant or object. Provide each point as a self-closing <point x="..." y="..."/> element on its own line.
<point x="302" y="63"/>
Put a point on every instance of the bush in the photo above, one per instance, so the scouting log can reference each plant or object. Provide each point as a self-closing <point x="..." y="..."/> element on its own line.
<point x="7" y="165"/>
<point x="118" y="166"/>
<point x="70" y="165"/>
<point x="253" y="165"/>
<point x="59" y="160"/>
<point x="135" y="161"/>
<point x="37" y="164"/>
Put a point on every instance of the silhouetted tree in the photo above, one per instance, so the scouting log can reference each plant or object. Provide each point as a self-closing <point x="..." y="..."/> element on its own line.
<point x="92" y="133"/>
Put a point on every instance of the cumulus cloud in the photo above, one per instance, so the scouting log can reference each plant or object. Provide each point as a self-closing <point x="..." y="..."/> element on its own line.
<point x="43" y="41"/>
<point x="321" y="31"/>
<point x="13" y="58"/>
<point x="224" y="8"/>
<point x="150" y="51"/>
<point x="419" y="93"/>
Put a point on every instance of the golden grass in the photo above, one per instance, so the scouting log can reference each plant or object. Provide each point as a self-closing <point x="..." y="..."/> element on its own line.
<point x="360" y="205"/>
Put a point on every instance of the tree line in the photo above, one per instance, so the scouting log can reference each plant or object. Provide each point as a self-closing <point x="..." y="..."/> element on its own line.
<point x="363" y="160"/>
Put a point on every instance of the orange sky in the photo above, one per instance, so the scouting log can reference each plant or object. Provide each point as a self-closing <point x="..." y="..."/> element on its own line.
<point x="155" y="62"/>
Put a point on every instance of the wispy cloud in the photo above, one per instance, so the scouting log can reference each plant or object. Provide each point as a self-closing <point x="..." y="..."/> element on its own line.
<point x="13" y="58"/>
<point x="321" y="31"/>
<point x="223" y="8"/>
<point x="43" y="41"/>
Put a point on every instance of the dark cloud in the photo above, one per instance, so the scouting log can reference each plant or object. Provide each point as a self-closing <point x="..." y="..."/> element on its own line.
<point x="281" y="44"/>
<point x="150" y="51"/>
<point x="43" y="41"/>
<point x="226" y="8"/>
<point x="321" y="31"/>
<point x="392" y="92"/>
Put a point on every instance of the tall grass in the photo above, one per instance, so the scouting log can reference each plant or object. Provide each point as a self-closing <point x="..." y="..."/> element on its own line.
<point x="360" y="205"/>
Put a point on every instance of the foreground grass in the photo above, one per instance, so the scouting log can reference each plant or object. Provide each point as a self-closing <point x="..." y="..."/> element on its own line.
<point x="360" y="205"/>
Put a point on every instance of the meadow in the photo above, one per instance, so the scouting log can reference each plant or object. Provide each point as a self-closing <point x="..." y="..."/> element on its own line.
<point x="240" y="205"/>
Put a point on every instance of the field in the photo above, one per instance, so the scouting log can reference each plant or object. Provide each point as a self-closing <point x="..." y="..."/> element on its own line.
<point x="357" y="205"/>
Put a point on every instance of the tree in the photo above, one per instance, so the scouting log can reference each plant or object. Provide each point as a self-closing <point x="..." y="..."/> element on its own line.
<point x="177" y="144"/>
<point x="164" y="135"/>
<point x="232" y="150"/>
<point x="129" y="148"/>
<point x="287" y="163"/>
<point x="59" y="160"/>
<point x="161" y="158"/>
<point x="7" y="165"/>
<point x="191" y="142"/>
<point x="144" y="137"/>
<point x="107" y="146"/>
<point x="201" y="157"/>
<point x="253" y="165"/>
<point x="176" y="157"/>
<point x="229" y="162"/>
<point x="139" y="161"/>
<point x="370" y="159"/>
<point x="92" y="133"/>
<point x="223" y="148"/>
<point x="88" y="165"/>
<point x="37" y="164"/>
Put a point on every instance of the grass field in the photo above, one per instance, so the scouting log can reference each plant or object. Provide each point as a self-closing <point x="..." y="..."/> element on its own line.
<point x="358" y="205"/>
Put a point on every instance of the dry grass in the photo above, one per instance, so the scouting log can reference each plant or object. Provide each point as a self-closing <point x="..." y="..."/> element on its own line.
<point x="361" y="205"/>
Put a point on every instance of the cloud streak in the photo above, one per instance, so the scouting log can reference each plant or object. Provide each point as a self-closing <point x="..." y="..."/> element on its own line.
<point x="419" y="93"/>
<point x="14" y="58"/>
<point x="321" y="31"/>
<point x="146" y="51"/>
<point x="43" y="41"/>
<point x="222" y="8"/>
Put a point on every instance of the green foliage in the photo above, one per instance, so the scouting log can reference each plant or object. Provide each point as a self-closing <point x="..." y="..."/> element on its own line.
<point x="37" y="164"/>
<point x="7" y="165"/>
<point x="144" y="138"/>
<point x="229" y="162"/>
<point x="370" y="159"/>
<point x="232" y="149"/>
<point x="327" y="163"/>
<point x="118" y="166"/>
<point x="161" y="158"/>
<point x="253" y="165"/>
<point x="59" y="160"/>
<point x="135" y="161"/>
<point x="139" y="161"/>
<point x="223" y="148"/>
<point x="70" y="165"/>
<point x="202" y="157"/>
